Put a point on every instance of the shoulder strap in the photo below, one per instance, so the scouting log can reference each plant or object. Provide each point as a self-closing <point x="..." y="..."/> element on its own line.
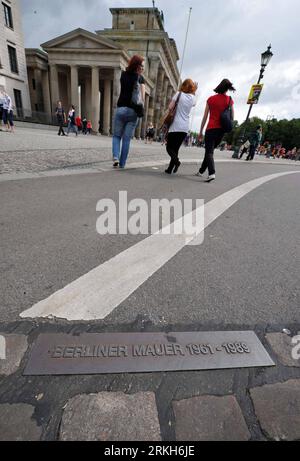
<point x="178" y="97"/>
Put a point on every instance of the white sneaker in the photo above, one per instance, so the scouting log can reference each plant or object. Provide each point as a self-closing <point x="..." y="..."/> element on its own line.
<point x="199" y="174"/>
<point x="210" y="178"/>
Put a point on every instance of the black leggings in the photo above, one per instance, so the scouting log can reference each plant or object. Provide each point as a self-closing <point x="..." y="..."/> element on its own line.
<point x="213" y="138"/>
<point x="174" y="141"/>
<point x="61" y="125"/>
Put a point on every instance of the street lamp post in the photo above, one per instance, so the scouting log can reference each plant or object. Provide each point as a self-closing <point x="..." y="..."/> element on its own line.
<point x="265" y="59"/>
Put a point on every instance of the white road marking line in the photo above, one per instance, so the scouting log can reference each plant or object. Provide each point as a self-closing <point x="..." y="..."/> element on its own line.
<point x="4" y="177"/>
<point x="2" y="348"/>
<point x="97" y="293"/>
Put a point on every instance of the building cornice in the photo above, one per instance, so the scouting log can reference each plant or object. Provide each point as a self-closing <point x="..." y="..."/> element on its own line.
<point x="174" y="46"/>
<point x="144" y="35"/>
<point x="36" y="52"/>
<point x="88" y="51"/>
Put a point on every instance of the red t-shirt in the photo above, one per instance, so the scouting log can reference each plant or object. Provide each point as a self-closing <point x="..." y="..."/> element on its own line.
<point x="217" y="104"/>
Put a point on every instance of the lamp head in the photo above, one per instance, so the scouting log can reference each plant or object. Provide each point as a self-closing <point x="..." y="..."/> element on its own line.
<point x="266" y="57"/>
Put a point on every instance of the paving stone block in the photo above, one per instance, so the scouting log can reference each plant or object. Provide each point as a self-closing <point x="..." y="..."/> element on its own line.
<point x="283" y="347"/>
<point x="277" y="407"/>
<point x="16" y="423"/>
<point x="210" y="418"/>
<point x="111" y="416"/>
<point x="12" y="350"/>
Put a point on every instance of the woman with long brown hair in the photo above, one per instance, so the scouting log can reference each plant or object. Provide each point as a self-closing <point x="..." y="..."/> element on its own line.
<point x="126" y="116"/>
<point x="186" y="100"/>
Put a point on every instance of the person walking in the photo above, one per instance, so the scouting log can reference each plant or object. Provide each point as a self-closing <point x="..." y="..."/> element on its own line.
<point x="7" y="112"/>
<point x="2" y="99"/>
<point x="128" y="112"/>
<point x="71" y="121"/>
<point x="185" y="100"/>
<point x="78" y="123"/>
<point x="84" y="125"/>
<point x="89" y="127"/>
<point x="255" y="140"/>
<point x="150" y="133"/>
<point x="215" y="106"/>
<point x="61" y="118"/>
<point x="11" y="117"/>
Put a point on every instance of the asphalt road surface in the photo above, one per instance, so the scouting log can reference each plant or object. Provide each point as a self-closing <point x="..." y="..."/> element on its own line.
<point x="245" y="273"/>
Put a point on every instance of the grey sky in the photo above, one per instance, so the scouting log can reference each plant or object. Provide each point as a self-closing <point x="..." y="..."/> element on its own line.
<point x="226" y="39"/>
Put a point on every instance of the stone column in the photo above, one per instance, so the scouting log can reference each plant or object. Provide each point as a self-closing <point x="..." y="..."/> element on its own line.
<point x="68" y="95"/>
<point x="46" y="95"/>
<point x="38" y="89"/>
<point x="83" y="98"/>
<point x="145" y="120"/>
<point x="138" y="129"/>
<point x="158" y="103"/>
<point x="170" y="93"/>
<point x="88" y="98"/>
<point x="74" y="88"/>
<point x="116" y="87"/>
<point x="116" y="91"/>
<point x="165" y="95"/>
<point x="95" y="99"/>
<point x="107" y="107"/>
<point x="153" y="71"/>
<point x="54" y="86"/>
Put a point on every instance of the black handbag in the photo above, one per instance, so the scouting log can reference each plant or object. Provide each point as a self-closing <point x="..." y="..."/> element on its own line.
<point x="226" y="118"/>
<point x="139" y="109"/>
<point x="136" y="99"/>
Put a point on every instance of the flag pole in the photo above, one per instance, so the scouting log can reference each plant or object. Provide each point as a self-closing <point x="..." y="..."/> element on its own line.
<point x="185" y="42"/>
<point x="183" y="56"/>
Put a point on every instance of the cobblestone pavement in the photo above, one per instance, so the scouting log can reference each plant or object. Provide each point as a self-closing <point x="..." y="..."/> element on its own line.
<point x="38" y="151"/>
<point x="219" y="405"/>
<point x="34" y="151"/>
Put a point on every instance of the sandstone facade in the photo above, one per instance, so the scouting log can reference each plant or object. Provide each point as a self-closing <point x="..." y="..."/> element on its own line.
<point x="84" y="68"/>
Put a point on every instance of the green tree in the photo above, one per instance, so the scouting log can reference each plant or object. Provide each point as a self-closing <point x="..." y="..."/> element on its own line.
<point x="277" y="132"/>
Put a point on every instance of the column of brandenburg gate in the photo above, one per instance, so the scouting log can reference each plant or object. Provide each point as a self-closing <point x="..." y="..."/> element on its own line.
<point x="84" y="68"/>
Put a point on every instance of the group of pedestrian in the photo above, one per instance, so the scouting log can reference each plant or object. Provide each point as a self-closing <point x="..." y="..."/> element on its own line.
<point x="6" y="111"/>
<point x="75" y="124"/>
<point x="128" y="113"/>
<point x="278" y="151"/>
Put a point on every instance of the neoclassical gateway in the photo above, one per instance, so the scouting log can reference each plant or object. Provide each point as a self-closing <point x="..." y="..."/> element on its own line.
<point x="84" y="68"/>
